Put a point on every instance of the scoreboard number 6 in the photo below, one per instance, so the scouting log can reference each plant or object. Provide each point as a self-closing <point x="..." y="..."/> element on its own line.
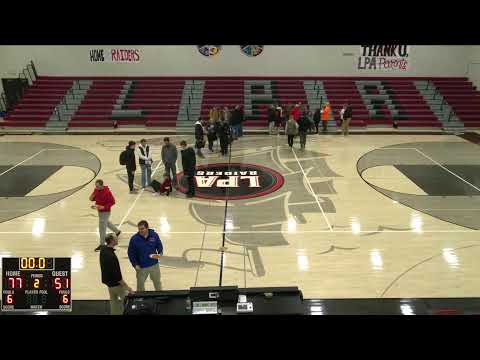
<point x="65" y="299"/>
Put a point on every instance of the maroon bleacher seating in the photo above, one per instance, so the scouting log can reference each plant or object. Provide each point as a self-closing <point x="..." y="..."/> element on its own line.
<point x="160" y="97"/>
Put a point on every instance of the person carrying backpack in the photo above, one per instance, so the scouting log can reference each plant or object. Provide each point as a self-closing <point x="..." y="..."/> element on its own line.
<point x="127" y="158"/>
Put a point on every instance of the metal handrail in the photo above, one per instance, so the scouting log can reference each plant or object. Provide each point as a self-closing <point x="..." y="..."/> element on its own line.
<point x="34" y="69"/>
<point x="28" y="78"/>
<point x="32" y="73"/>
<point x="443" y="102"/>
<point x="64" y="102"/>
<point x="3" y="104"/>
<point x="4" y="99"/>
<point x="450" y="114"/>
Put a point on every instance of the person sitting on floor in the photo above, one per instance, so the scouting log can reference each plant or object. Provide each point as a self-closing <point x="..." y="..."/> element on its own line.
<point x="160" y="188"/>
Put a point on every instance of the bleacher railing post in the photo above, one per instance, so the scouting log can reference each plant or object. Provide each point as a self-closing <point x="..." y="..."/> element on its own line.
<point x="3" y="104"/>
<point x="31" y="81"/>
<point x="30" y="74"/>
<point x="4" y="98"/>
<point x="34" y="69"/>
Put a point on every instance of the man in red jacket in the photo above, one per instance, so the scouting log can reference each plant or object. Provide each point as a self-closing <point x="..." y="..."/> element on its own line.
<point x="104" y="201"/>
<point x="296" y="112"/>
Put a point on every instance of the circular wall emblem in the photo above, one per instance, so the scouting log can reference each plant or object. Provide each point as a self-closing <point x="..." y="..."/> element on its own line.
<point x="234" y="181"/>
<point x="209" y="50"/>
<point x="251" y="50"/>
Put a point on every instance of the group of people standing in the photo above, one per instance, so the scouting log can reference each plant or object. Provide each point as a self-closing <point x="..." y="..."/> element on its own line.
<point x="297" y="120"/>
<point x="223" y="124"/>
<point x="169" y="155"/>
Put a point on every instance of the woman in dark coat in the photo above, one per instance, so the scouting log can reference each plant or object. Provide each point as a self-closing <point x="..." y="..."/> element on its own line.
<point x="317" y="118"/>
<point x="199" y="137"/>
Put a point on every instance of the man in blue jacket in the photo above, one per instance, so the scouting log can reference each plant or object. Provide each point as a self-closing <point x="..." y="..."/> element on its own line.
<point x="142" y="246"/>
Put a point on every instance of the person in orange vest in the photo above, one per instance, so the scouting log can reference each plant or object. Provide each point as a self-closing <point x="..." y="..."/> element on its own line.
<point x="326" y="116"/>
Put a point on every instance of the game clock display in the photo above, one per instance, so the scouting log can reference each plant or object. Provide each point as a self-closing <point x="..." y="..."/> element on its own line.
<point x="36" y="283"/>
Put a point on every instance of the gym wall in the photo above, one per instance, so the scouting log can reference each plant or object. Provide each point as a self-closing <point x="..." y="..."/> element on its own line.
<point x="473" y="66"/>
<point x="185" y="60"/>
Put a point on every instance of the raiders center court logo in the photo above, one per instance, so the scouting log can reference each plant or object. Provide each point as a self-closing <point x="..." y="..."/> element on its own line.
<point x="233" y="181"/>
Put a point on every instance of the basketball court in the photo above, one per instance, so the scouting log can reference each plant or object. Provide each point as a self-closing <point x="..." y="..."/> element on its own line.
<point x="371" y="216"/>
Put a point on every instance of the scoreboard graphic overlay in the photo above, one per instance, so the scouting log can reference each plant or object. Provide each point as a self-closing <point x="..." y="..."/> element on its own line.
<point x="36" y="283"/>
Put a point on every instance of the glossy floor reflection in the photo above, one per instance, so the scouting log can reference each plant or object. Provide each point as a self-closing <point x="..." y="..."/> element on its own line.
<point x="359" y="217"/>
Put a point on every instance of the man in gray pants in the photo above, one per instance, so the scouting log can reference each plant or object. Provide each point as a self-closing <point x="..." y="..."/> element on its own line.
<point x="144" y="250"/>
<point x="169" y="159"/>
<point x="104" y="201"/>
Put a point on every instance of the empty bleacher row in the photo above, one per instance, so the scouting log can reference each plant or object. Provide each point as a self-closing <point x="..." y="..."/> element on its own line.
<point x="156" y="101"/>
<point x="464" y="99"/>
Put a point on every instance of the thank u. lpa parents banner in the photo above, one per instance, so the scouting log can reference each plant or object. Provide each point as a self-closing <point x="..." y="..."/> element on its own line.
<point x="394" y="58"/>
<point x="115" y="55"/>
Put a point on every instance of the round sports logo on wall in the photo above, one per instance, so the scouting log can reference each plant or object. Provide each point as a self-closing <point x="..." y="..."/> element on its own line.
<point x="251" y="50"/>
<point x="233" y="181"/>
<point x="209" y="50"/>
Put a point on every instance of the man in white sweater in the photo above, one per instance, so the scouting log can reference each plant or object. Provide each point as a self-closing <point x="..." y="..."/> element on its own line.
<point x="145" y="160"/>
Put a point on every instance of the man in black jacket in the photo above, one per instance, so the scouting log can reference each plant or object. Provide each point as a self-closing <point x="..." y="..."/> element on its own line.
<point x="271" y="119"/>
<point x="347" y="117"/>
<point x="224" y="136"/>
<point x="235" y="120"/>
<point x="131" y="165"/>
<point x="303" y="126"/>
<point x="112" y="275"/>
<point x="317" y="119"/>
<point x="199" y="137"/>
<point x="189" y="163"/>
<point x="241" y="120"/>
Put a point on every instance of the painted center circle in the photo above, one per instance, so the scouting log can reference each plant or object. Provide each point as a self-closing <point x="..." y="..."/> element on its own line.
<point x="234" y="181"/>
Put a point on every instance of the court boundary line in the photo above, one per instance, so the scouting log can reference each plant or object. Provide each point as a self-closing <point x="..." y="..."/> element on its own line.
<point x="433" y="161"/>
<point x="136" y="199"/>
<point x="21" y="162"/>
<point x="444" y="168"/>
<point x="298" y="232"/>
<point x="312" y="192"/>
